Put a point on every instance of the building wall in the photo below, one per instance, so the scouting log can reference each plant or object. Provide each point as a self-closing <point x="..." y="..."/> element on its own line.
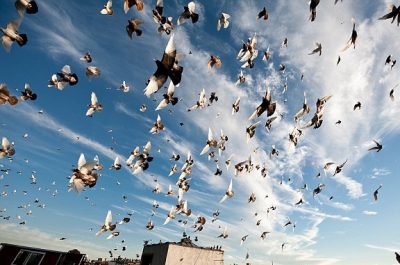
<point x="181" y="255"/>
<point x="158" y="253"/>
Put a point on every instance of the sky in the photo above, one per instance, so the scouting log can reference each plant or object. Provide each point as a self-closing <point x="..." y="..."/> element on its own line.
<point x="350" y="228"/>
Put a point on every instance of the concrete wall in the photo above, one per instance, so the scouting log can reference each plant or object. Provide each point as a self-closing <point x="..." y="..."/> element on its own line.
<point x="158" y="251"/>
<point x="181" y="255"/>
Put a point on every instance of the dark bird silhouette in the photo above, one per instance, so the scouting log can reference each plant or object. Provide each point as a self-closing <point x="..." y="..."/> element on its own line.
<point x="133" y="26"/>
<point x="397" y="257"/>
<point x="263" y="14"/>
<point x="378" y="147"/>
<point x="313" y="9"/>
<point x="394" y="12"/>
<point x="376" y="192"/>
<point x="266" y="105"/>
<point x="353" y="38"/>
<point x="339" y="168"/>
<point x="357" y="106"/>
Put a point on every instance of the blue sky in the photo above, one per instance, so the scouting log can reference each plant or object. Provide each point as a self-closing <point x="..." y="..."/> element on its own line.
<point x="349" y="229"/>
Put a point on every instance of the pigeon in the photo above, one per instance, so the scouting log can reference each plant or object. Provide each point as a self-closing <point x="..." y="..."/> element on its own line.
<point x="170" y="216"/>
<point x="268" y="123"/>
<point x="165" y="23"/>
<point x="284" y="44"/>
<point x="228" y="194"/>
<point x="201" y="103"/>
<point x="353" y="38"/>
<point x="241" y="79"/>
<point x="116" y="165"/>
<point x="339" y="168"/>
<point x="338" y="60"/>
<point x="124" y="87"/>
<point x="5" y="96"/>
<point x="390" y="62"/>
<point x="251" y="130"/>
<point x="394" y="12"/>
<point x="376" y="192"/>
<point x="357" y="106"/>
<point x="108" y="225"/>
<point x="313" y="9"/>
<point x="60" y="79"/>
<point x="11" y="34"/>
<point x="214" y="61"/>
<point x="317" y="50"/>
<point x="113" y="234"/>
<point x="263" y="14"/>
<point x="168" y="97"/>
<point x="92" y="71"/>
<point x="143" y="159"/>
<point x="243" y="239"/>
<point x="6" y="148"/>
<point x="397" y="257"/>
<point x="87" y="57"/>
<point x="150" y="225"/>
<point x="107" y="9"/>
<point x="93" y="106"/>
<point x="224" y="234"/>
<point x="317" y="120"/>
<point x="28" y="93"/>
<point x="167" y="67"/>
<point x="188" y="13"/>
<point x="318" y="189"/>
<point x="158" y="126"/>
<point x="129" y="3"/>
<point x="267" y="55"/>
<point x="133" y="27"/>
<point x="294" y="135"/>
<point x="223" y="21"/>
<point x="252" y="197"/>
<point x="28" y="6"/>
<point x="378" y="147"/>
<point x="235" y="106"/>
<point x="211" y="142"/>
<point x="266" y="105"/>
<point x="85" y="174"/>
<point x="304" y="110"/>
<point x="264" y="235"/>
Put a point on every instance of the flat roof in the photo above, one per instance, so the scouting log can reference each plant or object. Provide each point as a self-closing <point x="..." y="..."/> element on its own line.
<point x="185" y="244"/>
<point x="36" y="249"/>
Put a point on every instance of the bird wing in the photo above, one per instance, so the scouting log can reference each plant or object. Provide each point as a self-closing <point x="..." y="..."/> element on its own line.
<point x="81" y="161"/>
<point x="191" y="7"/>
<point x="171" y="89"/>
<point x="93" y="99"/>
<point x="66" y="69"/>
<point x="224" y="198"/>
<point x="162" y="104"/>
<point x="147" y="148"/>
<point x="108" y="219"/>
<point x="5" y="143"/>
<point x="230" y="186"/>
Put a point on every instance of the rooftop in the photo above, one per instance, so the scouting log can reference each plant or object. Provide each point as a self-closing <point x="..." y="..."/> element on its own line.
<point x="187" y="242"/>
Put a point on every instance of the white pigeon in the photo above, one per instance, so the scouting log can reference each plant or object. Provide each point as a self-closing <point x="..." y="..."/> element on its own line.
<point x="108" y="226"/>
<point x="170" y="216"/>
<point x="223" y="21"/>
<point x="124" y="87"/>
<point x="94" y="105"/>
<point x="107" y="10"/>
<point x="211" y="142"/>
<point x="228" y="194"/>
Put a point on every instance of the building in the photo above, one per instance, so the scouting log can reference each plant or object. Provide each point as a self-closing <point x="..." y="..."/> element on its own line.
<point x="22" y="255"/>
<point x="181" y="253"/>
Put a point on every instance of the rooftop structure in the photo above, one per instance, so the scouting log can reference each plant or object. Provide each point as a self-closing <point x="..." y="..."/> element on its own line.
<point x="184" y="252"/>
